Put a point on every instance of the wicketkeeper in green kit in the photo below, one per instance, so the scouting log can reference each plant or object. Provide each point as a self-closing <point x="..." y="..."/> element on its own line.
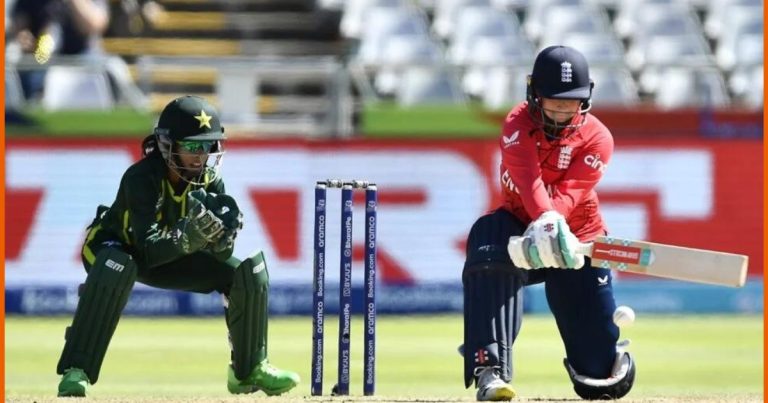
<point x="173" y="226"/>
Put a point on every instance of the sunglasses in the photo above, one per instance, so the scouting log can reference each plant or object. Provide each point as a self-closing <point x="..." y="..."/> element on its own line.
<point x="195" y="146"/>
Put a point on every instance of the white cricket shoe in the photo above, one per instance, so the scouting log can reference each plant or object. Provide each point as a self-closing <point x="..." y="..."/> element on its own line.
<point x="490" y="387"/>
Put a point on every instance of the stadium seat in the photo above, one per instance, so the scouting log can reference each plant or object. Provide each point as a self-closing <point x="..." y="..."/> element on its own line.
<point x="505" y="87"/>
<point x="747" y="83"/>
<point x="68" y="87"/>
<point x="355" y="12"/>
<point x="447" y="12"/>
<point x="687" y="87"/>
<point x="602" y="48"/>
<point x="742" y="42"/>
<point x="670" y="50"/>
<point x="536" y="17"/>
<point x="754" y="93"/>
<point x="657" y="21"/>
<point x="424" y="85"/>
<point x="475" y="22"/>
<point x="725" y="13"/>
<point x="510" y="5"/>
<point x="613" y="87"/>
<point x="630" y="14"/>
<point x="384" y="23"/>
<point x="491" y="52"/>
<point x="14" y="94"/>
<point x="564" y="21"/>
<point x="401" y="51"/>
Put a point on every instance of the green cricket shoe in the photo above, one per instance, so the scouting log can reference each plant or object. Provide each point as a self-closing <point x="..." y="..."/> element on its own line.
<point x="264" y="377"/>
<point x="74" y="383"/>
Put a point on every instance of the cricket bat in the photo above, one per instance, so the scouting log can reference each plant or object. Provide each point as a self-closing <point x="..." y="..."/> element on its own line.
<point x="667" y="261"/>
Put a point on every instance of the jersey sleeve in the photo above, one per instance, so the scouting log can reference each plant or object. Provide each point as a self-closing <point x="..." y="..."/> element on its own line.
<point x="519" y="157"/>
<point x="156" y="244"/>
<point x="583" y="174"/>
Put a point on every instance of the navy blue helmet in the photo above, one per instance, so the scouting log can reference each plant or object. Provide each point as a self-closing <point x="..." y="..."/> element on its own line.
<point x="559" y="72"/>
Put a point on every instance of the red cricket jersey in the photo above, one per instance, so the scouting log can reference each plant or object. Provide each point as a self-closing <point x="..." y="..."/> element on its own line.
<point x="538" y="174"/>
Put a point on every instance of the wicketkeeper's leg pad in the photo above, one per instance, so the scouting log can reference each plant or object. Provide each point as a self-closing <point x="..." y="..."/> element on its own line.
<point x="103" y="297"/>
<point x="616" y="386"/>
<point x="247" y="314"/>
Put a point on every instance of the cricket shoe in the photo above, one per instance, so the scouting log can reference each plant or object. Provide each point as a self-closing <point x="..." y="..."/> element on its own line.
<point x="74" y="383"/>
<point x="490" y="386"/>
<point x="264" y="377"/>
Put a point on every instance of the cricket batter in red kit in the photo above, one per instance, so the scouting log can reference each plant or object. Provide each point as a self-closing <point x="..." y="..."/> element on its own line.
<point x="554" y="153"/>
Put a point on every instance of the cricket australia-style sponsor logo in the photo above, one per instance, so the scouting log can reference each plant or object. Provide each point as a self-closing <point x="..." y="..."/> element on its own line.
<point x="259" y="268"/>
<point x="564" y="160"/>
<point x="511" y="139"/>
<point x="549" y="227"/>
<point x="566" y="72"/>
<point x="114" y="265"/>
<point x="594" y="162"/>
<point x="601" y="281"/>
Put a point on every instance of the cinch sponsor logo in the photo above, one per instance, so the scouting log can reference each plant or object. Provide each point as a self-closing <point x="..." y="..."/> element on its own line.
<point x="506" y="182"/>
<point x="594" y="162"/>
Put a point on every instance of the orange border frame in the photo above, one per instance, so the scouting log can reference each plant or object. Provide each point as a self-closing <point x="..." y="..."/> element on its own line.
<point x="2" y="215"/>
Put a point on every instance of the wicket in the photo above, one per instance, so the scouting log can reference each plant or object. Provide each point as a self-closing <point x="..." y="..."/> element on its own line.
<point x="345" y="286"/>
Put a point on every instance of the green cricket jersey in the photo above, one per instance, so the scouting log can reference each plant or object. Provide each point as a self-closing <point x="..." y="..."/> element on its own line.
<point x="143" y="215"/>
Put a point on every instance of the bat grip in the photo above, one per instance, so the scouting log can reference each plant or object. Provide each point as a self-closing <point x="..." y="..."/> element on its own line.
<point x="585" y="249"/>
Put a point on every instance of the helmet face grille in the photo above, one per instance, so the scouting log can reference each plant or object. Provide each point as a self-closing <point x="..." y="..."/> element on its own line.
<point x="553" y="129"/>
<point x="169" y="149"/>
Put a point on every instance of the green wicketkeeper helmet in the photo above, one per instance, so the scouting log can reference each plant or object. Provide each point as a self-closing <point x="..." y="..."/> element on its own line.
<point x="192" y="124"/>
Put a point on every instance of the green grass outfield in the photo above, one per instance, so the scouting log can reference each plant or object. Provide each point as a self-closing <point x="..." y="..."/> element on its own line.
<point x="679" y="358"/>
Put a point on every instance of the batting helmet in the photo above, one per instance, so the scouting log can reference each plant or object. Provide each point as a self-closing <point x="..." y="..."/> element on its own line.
<point x="559" y="72"/>
<point x="193" y="123"/>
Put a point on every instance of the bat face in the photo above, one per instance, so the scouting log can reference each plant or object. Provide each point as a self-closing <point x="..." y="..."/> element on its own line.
<point x="667" y="261"/>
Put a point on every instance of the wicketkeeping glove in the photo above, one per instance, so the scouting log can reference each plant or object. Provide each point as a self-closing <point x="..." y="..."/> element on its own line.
<point x="201" y="218"/>
<point x="225" y="208"/>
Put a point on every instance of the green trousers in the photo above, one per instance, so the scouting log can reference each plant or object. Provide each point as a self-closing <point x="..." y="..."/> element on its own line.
<point x="198" y="272"/>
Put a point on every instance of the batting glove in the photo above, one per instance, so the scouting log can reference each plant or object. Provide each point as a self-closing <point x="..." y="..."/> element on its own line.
<point x="524" y="253"/>
<point x="555" y="243"/>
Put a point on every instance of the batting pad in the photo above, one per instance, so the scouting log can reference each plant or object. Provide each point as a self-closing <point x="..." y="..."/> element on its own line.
<point x="247" y="314"/>
<point x="106" y="291"/>
<point x="493" y="309"/>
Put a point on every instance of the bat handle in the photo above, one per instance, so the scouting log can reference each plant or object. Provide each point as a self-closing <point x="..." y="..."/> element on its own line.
<point x="585" y="249"/>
